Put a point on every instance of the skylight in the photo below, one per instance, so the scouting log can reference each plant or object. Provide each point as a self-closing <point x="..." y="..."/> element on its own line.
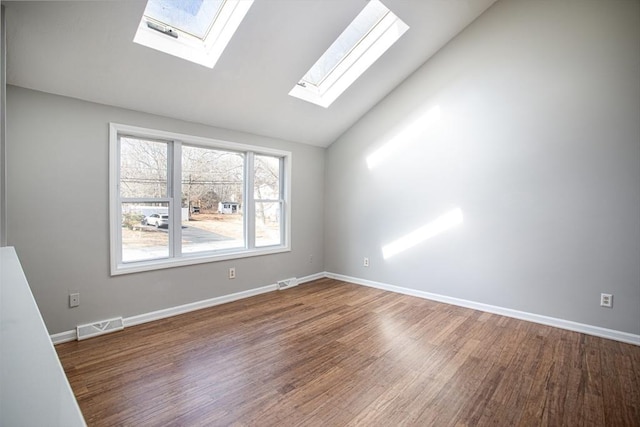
<point x="195" y="30"/>
<point x="369" y="35"/>
<point x="190" y="16"/>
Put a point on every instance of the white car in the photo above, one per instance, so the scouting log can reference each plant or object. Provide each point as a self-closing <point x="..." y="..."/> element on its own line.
<point x="158" y="220"/>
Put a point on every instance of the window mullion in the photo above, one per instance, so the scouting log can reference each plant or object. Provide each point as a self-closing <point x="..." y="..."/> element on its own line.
<point x="283" y="196"/>
<point x="249" y="203"/>
<point x="145" y="199"/>
<point x="175" y="228"/>
<point x="115" y="200"/>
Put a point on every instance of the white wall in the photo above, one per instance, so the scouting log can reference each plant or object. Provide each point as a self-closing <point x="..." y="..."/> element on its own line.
<point x="57" y="152"/>
<point x="538" y="143"/>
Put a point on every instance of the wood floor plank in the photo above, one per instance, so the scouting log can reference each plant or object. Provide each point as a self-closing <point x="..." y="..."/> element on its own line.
<point x="330" y="353"/>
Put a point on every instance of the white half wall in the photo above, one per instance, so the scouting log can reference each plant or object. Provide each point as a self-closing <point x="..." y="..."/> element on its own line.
<point x="528" y="121"/>
<point x="58" y="195"/>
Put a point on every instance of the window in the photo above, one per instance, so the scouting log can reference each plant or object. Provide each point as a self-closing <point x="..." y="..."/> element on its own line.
<point x="267" y="199"/>
<point x="179" y="199"/>
<point x="369" y="35"/>
<point x="195" y="30"/>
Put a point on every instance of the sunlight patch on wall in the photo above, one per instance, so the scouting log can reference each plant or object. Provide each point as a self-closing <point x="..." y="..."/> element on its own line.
<point x="433" y="228"/>
<point x="414" y="130"/>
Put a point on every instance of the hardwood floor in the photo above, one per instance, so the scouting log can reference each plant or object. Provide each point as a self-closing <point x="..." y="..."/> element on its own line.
<point x="330" y="353"/>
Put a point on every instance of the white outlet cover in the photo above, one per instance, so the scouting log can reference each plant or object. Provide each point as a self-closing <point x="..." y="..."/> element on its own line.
<point x="606" y="300"/>
<point x="74" y="300"/>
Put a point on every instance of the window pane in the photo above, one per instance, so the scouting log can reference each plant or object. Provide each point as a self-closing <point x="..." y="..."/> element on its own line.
<point x="361" y="25"/>
<point x="145" y="231"/>
<point x="212" y="191"/>
<point x="268" y="223"/>
<point x="191" y="16"/>
<point x="143" y="168"/>
<point x="267" y="178"/>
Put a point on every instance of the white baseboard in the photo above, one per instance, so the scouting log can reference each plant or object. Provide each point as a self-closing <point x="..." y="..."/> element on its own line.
<point x="312" y="277"/>
<point x="522" y="315"/>
<point x="64" y="337"/>
<point x="186" y="308"/>
<point x="198" y="305"/>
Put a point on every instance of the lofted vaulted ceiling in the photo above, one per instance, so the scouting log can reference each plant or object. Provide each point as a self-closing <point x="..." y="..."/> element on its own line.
<point x="85" y="50"/>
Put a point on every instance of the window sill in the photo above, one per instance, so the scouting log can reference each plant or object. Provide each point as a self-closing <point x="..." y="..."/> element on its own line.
<point x="188" y="259"/>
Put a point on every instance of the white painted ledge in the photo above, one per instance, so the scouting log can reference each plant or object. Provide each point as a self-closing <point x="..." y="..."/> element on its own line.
<point x="34" y="390"/>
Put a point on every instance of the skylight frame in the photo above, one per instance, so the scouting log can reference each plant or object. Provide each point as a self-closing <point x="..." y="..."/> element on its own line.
<point x="152" y="13"/>
<point x="352" y="36"/>
<point x="381" y="36"/>
<point x="203" y="51"/>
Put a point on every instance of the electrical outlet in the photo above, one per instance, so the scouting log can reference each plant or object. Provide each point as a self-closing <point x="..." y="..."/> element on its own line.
<point x="606" y="300"/>
<point x="366" y="262"/>
<point x="74" y="300"/>
<point x="232" y="273"/>
<point x="310" y="259"/>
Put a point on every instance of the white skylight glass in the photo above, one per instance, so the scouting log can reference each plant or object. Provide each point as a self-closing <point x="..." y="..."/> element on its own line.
<point x="190" y="16"/>
<point x="195" y="30"/>
<point x="355" y="32"/>
<point x="369" y="35"/>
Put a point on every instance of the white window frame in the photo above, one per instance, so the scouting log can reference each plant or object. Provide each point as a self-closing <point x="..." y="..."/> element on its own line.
<point x="367" y="51"/>
<point x="176" y="257"/>
<point x="251" y="163"/>
<point x="204" y="51"/>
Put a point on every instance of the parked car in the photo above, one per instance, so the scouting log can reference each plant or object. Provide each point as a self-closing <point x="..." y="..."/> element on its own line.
<point x="157" y="220"/>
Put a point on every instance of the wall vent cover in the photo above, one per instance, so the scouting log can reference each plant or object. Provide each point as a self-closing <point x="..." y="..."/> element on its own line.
<point x="99" y="328"/>
<point x="287" y="283"/>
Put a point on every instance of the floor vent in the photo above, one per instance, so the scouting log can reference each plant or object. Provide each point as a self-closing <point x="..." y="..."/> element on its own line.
<point x="99" y="328"/>
<point x="287" y="283"/>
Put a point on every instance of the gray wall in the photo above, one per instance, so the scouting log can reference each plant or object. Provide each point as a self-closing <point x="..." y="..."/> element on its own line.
<point x="538" y="143"/>
<point x="3" y="99"/>
<point x="57" y="152"/>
